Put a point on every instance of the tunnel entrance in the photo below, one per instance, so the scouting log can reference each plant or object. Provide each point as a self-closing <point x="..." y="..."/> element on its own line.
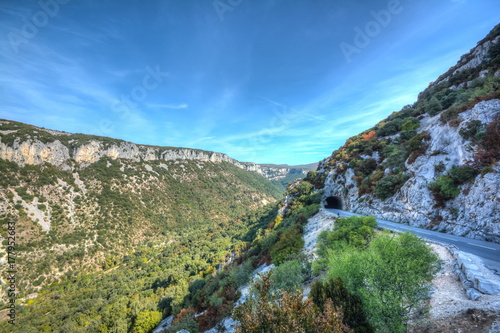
<point x="333" y="202"/>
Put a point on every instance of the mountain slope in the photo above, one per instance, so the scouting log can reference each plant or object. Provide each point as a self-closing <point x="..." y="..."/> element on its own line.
<point x="82" y="203"/>
<point x="433" y="164"/>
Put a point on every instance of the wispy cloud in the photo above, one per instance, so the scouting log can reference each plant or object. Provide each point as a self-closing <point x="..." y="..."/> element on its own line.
<point x="169" y="106"/>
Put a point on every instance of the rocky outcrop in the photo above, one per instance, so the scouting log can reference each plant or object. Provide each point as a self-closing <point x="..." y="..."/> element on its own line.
<point x="473" y="213"/>
<point x="33" y="151"/>
<point x="474" y="210"/>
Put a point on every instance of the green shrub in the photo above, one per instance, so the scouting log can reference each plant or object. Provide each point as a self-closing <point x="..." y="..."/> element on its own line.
<point x="356" y="231"/>
<point x="288" y="276"/>
<point x="411" y="124"/>
<point x="407" y="135"/>
<point x="416" y="146"/>
<point x="488" y="149"/>
<point x="444" y="188"/>
<point x="289" y="244"/>
<point x="391" y="277"/>
<point x="473" y="129"/>
<point x="395" y="156"/>
<point x="389" y="185"/>
<point x="146" y="321"/>
<point x="434" y="106"/>
<point x="462" y="174"/>
<point x="335" y="290"/>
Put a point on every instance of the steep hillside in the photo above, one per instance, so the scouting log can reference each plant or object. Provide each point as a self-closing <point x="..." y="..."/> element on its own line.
<point x="433" y="164"/>
<point x="82" y="203"/>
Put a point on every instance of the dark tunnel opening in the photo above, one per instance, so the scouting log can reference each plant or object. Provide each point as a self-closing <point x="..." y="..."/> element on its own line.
<point x="333" y="202"/>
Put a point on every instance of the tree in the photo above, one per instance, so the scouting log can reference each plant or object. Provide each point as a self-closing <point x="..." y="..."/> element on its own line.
<point x="290" y="243"/>
<point x="268" y="313"/>
<point x="391" y="277"/>
<point x="335" y="291"/>
<point x="146" y="321"/>
<point x="288" y="276"/>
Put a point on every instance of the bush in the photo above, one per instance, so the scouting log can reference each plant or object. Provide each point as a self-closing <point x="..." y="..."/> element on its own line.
<point x="474" y="130"/>
<point x="288" y="277"/>
<point x="462" y="174"/>
<point x="434" y="106"/>
<point x="355" y="231"/>
<point x="407" y="135"/>
<point x="335" y="290"/>
<point x="146" y="321"/>
<point x="288" y="313"/>
<point x="488" y="149"/>
<point x="391" y="277"/>
<point x="416" y="146"/>
<point x="290" y="243"/>
<point x="389" y="185"/>
<point x="444" y="188"/>
<point x="411" y="124"/>
<point x="395" y="156"/>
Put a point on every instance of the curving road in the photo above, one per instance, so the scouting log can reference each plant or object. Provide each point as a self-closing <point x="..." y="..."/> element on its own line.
<point x="489" y="252"/>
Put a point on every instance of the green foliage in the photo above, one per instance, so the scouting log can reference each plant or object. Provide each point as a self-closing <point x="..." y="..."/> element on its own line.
<point x="407" y="135"/>
<point x="494" y="54"/>
<point x="356" y="231"/>
<point x="416" y="146"/>
<point x="395" y="156"/>
<point x="391" y="277"/>
<point x="158" y="233"/>
<point x="399" y="122"/>
<point x="290" y="243"/>
<point x="317" y="179"/>
<point x="410" y="125"/>
<point x="434" y="106"/>
<point x="146" y="321"/>
<point x="444" y="188"/>
<point x="474" y="130"/>
<point x="488" y="149"/>
<point x="462" y="174"/>
<point x="288" y="276"/>
<point x="389" y="185"/>
<point x="335" y="290"/>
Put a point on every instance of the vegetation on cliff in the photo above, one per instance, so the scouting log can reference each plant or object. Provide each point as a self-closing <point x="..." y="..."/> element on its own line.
<point x="380" y="155"/>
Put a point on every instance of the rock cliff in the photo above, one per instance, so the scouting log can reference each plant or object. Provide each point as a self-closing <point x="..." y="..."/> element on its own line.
<point x="30" y="145"/>
<point x="411" y="167"/>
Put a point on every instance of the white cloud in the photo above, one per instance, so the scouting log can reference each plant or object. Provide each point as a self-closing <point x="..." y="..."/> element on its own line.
<point x="169" y="106"/>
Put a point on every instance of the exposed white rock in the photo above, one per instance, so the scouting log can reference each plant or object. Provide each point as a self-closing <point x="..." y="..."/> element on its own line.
<point x="413" y="203"/>
<point x="164" y="324"/>
<point x="322" y="221"/>
<point x="35" y="152"/>
<point x="229" y="323"/>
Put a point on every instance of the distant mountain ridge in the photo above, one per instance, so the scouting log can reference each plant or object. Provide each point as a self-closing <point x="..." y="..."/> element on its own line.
<point x="26" y="144"/>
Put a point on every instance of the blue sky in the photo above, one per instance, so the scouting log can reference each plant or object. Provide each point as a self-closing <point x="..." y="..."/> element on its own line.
<point x="262" y="81"/>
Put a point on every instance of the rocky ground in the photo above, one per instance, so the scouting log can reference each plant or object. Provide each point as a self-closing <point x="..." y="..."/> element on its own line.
<point x="451" y="310"/>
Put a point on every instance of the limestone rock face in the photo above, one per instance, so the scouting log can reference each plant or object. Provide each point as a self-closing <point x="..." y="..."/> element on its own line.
<point x="35" y="152"/>
<point x="474" y="213"/>
<point x="32" y="151"/>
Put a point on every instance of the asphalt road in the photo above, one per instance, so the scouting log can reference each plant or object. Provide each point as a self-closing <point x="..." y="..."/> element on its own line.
<point x="489" y="252"/>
